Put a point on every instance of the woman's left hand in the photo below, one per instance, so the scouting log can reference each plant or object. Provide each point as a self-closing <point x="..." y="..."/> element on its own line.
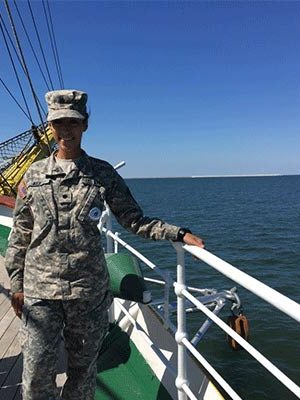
<point x="193" y="240"/>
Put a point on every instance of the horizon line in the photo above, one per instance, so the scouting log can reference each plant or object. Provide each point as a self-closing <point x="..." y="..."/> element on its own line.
<point x="212" y="176"/>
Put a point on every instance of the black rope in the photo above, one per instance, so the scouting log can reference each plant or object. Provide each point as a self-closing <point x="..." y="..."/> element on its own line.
<point x="55" y="46"/>
<point x="40" y="43"/>
<point x="35" y="98"/>
<point x="11" y="42"/>
<point x="51" y="41"/>
<point x="31" y="46"/>
<point x="16" y="101"/>
<point x="19" y="59"/>
<point x="15" y="70"/>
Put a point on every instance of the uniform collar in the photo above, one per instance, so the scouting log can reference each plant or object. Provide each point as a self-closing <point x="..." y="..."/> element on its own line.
<point x="82" y="168"/>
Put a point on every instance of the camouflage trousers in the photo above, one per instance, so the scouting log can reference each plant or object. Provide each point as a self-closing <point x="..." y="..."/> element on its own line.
<point x="84" y="325"/>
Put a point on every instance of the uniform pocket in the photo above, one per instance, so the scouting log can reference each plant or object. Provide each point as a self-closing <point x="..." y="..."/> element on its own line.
<point x="39" y="196"/>
<point x="39" y="233"/>
<point x="23" y="332"/>
<point x="91" y="207"/>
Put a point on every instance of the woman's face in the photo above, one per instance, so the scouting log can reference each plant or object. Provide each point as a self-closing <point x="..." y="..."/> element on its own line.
<point x="67" y="132"/>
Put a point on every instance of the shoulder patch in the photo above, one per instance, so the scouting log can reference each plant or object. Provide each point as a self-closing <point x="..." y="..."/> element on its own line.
<point x="22" y="189"/>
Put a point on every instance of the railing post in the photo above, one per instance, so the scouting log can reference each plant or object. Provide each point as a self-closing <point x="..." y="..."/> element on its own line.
<point x="167" y="299"/>
<point x="109" y="240"/>
<point x="181" y="324"/>
<point x="116" y="244"/>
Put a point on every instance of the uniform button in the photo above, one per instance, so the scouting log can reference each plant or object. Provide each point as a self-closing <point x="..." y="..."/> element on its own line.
<point x="65" y="198"/>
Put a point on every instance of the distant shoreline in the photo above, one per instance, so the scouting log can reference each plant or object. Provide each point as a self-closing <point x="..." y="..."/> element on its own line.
<point x="235" y="176"/>
<point x="215" y="176"/>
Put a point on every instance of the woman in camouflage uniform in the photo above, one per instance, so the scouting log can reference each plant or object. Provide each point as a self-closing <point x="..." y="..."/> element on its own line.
<point x="59" y="279"/>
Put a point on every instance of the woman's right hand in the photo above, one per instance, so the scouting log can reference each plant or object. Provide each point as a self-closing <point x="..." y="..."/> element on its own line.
<point x="17" y="302"/>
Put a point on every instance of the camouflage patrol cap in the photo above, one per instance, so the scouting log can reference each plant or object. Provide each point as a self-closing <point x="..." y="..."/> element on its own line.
<point x="66" y="104"/>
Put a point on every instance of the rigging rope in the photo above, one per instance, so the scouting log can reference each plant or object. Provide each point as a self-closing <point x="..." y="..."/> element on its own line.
<point x="25" y="66"/>
<point x="11" y="42"/>
<point x="31" y="46"/>
<point x="15" y="70"/>
<point x="13" y="64"/>
<point x="40" y="44"/>
<point x="52" y="44"/>
<point x="18" y="153"/>
<point x="20" y="56"/>
<point x="55" y="46"/>
<point x="16" y="101"/>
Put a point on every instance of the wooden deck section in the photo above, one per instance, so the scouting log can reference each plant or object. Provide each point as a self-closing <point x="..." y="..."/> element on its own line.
<point x="10" y="351"/>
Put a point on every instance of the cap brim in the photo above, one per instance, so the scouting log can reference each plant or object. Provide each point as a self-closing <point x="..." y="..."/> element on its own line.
<point x="58" y="114"/>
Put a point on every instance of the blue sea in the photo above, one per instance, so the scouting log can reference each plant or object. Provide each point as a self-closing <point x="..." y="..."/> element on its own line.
<point x="253" y="223"/>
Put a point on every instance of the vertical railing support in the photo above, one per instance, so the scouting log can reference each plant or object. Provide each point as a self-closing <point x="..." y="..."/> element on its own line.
<point x="181" y="324"/>
<point x="167" y="299"/>
<point x="109" y="240"/>
<point x="116" y="244"/>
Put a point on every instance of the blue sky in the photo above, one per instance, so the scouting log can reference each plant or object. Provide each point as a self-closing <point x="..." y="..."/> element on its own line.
<point x="175" y="88"/>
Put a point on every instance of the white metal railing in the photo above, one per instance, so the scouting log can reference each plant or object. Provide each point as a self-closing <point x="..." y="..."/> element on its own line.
<point x="278" y="300"/>
<point x="132" y="250"/>
<point x="181" y="380"/>
<point x="273" y="297"/>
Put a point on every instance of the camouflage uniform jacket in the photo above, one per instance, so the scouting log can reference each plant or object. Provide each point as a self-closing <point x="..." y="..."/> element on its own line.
<point x="55" y="250"/>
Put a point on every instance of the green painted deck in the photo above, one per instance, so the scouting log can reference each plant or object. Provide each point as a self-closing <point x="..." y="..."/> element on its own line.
<point x="123" y="374"/>
<point x="4" y="232"/>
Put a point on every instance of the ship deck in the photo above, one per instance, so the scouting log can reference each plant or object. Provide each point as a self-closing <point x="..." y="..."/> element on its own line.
<point x="10" y="350"/>
<point x="122" y="371"/>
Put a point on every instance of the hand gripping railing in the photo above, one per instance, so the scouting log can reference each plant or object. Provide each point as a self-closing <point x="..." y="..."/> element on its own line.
<point x="270" y="295"/>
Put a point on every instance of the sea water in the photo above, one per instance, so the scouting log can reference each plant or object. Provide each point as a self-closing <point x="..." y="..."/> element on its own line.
<point x="252" y="223"/>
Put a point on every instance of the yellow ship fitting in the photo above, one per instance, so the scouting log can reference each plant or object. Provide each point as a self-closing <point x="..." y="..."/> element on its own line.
<point x="12" y="175"/>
